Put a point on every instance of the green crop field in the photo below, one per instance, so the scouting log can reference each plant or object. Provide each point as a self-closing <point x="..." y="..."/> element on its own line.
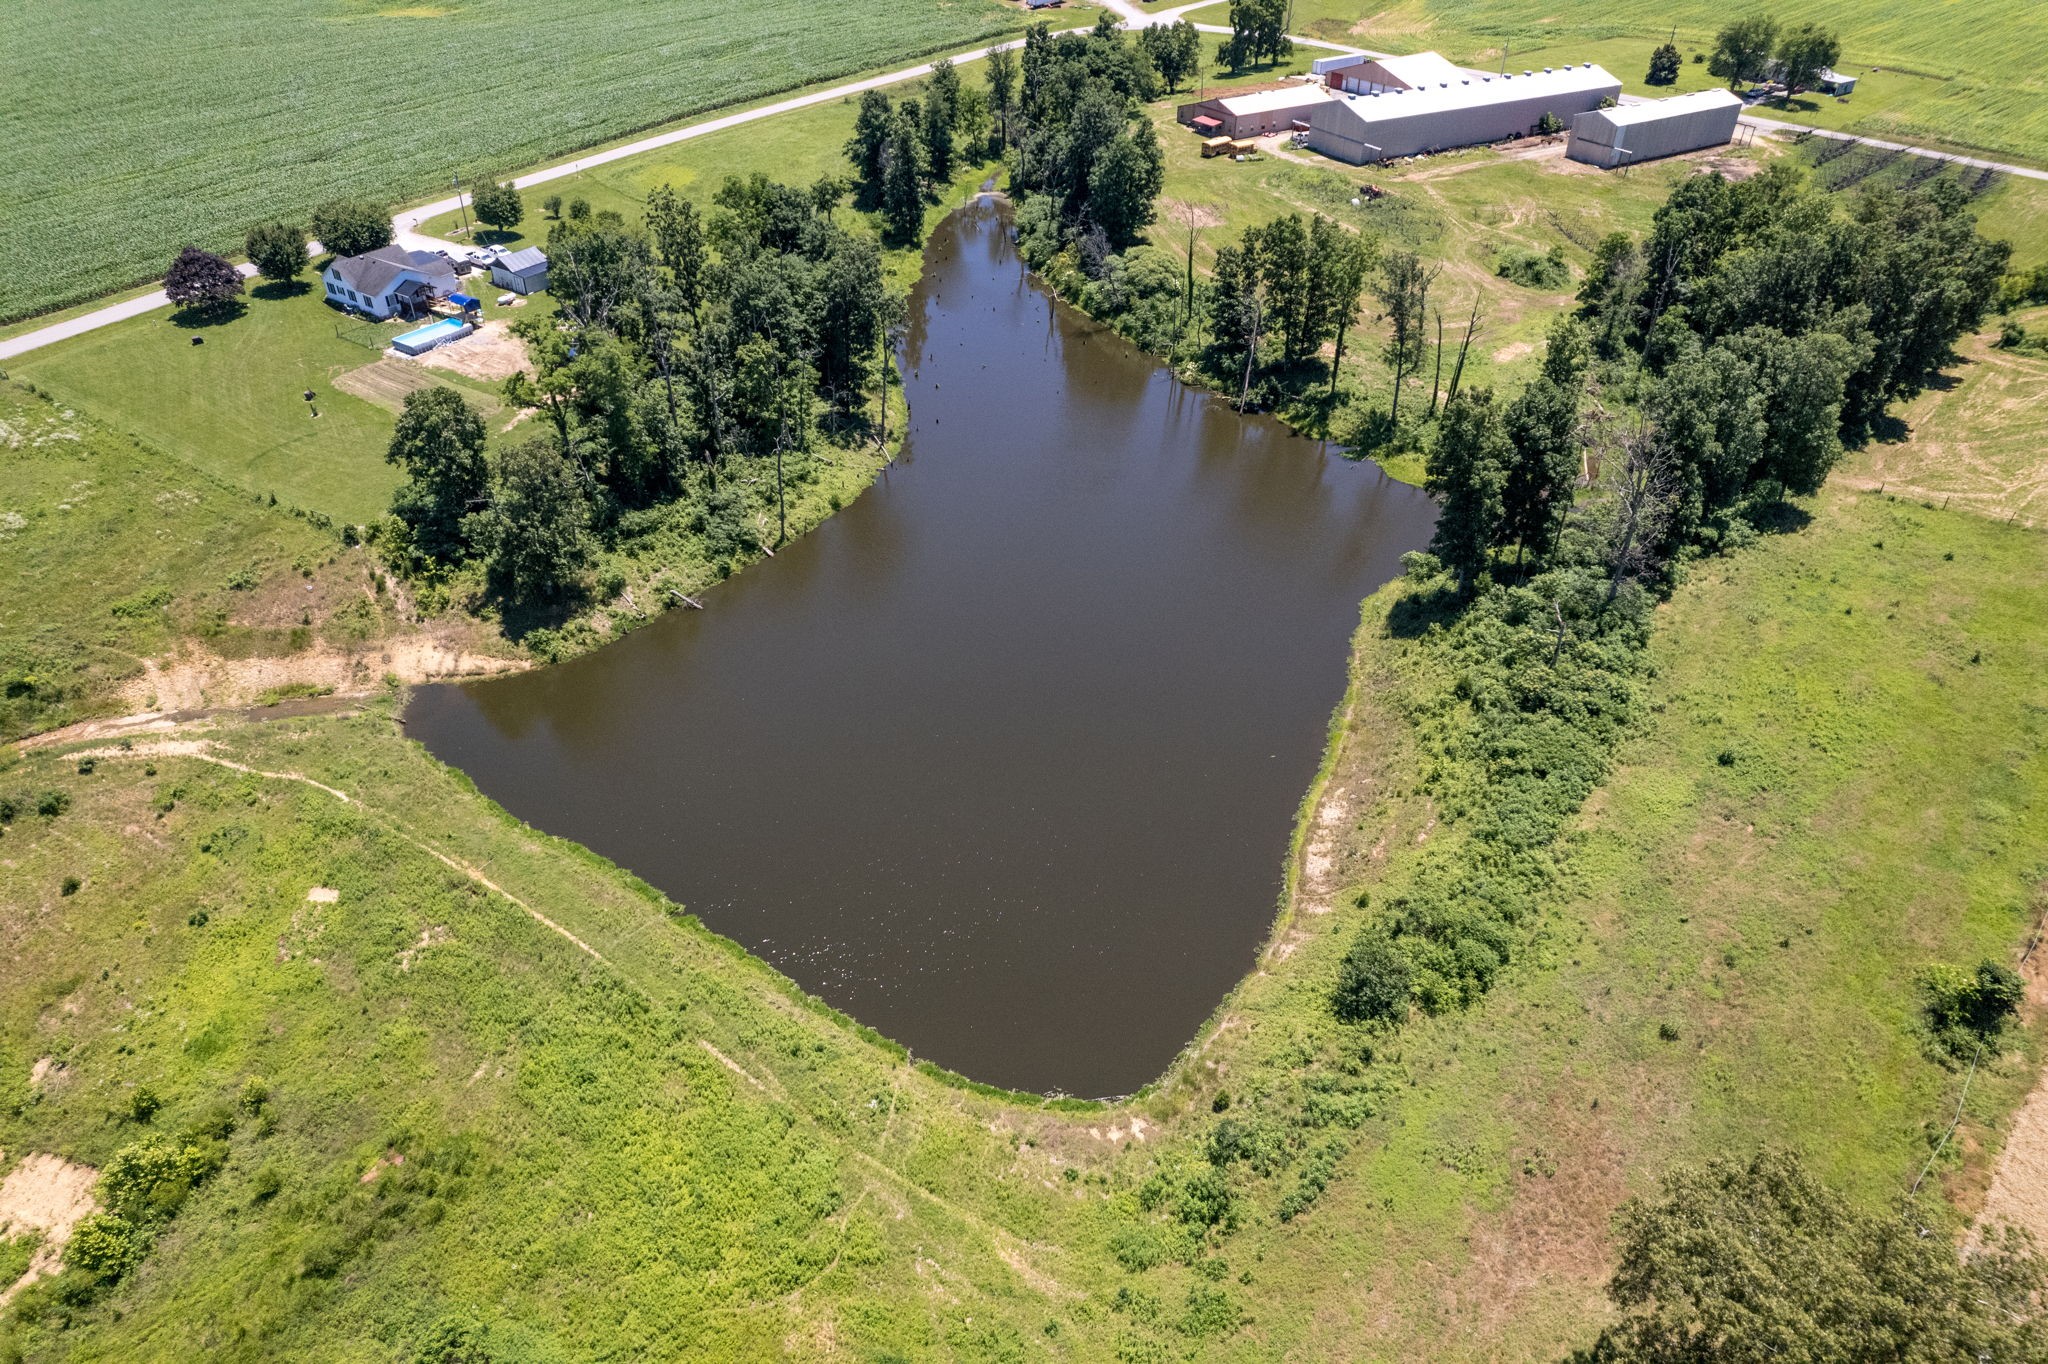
<point x="134" y="128"/>
<point x="1970" y="77"/>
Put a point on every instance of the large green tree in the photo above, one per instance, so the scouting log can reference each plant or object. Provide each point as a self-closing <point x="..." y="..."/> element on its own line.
<point x="1758" y="1262"/>
<point x="678" y="233"/>
<point x="538" y="525"/>
<point x="496" y="204"/>
<point x="1124" y="184"/>
<point x="349" y="227"/>
<point x="1468" y="474"/>
<point x="903" y="177"/>
<point x="276" y="249"/>
<point x="439" y="442"/>
<point x="1803" y="53"/>
<point x="1743" y="49"/>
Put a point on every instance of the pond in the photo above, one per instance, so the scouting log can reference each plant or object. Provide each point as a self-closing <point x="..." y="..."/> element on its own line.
<point x="1004" y="758"/>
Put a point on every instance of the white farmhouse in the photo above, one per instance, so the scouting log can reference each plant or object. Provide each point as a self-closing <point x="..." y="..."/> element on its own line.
<point x="389" y="282"/>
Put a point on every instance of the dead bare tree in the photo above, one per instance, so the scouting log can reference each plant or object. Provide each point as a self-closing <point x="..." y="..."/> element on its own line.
<point x="1458" y="370"/>
<point x="1639" y="493"/>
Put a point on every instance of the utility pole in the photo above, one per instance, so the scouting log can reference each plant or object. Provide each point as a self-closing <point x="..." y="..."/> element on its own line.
<point x="457" y="181"/>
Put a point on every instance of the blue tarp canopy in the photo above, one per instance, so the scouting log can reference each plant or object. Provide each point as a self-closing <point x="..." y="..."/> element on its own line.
<point x="464" y="301"/>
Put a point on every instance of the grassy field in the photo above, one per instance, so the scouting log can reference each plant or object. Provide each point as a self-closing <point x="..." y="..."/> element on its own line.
<point x="1965" y="77"/>
<point x="1978" y="441"/>
<point x="113" y="554"/>
<point x="643" y="1135"/>
<point x="135" y="129"/>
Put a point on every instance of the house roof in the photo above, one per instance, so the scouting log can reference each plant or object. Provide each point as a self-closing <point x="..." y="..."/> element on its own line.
<point x="1475" y="91"/>
<point x="1649" y="111"/>
<point x="372" y="272"/>
<point x="1271" y="101"/>
<point x="522" y="260"/>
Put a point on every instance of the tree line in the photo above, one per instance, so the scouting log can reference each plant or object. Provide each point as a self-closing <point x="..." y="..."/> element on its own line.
<point x="687" y="359"/>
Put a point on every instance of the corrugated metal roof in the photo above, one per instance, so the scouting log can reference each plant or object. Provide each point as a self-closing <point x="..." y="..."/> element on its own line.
<point x="1422" y="68"/>
<point x="525" y="258"/>
<point x="1650" y="111"/>
<point x="1267" y="101"/>
<point x="1475" y="91"/>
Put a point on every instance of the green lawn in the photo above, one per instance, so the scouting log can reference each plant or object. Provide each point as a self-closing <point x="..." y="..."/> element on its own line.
<point x="234" y="406"/>
<point x="144" y="127"/>
<point x="1969" y="77"/>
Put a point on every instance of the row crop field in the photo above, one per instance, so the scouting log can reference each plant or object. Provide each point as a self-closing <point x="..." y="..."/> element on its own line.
<point x="1967" y="77"/>
<point x="133" y="128"/>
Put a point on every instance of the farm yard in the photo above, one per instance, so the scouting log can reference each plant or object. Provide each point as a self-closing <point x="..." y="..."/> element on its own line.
<point x="1962" y="77"/>
<point x="136" y="128"/>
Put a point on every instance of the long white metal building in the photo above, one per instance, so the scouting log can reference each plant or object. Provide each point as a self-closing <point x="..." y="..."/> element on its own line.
<point x="1631" y="133"/>
<point x="1361" y="128"/>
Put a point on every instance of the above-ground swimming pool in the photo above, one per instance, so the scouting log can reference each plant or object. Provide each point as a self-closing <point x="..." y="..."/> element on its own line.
<point x="425" y="338"/>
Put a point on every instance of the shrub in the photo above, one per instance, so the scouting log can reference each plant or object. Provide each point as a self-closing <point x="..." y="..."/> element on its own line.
<point x="1205" y="1200"/>
<point x="148" y="1181"/>
<point x="105" y="1246"/>
<point x="1374" y="982"/>
<point x="1533" y="271"/>
<point x="1969" y="1009"/>
<point x="1138" y="1248"/>
<point x="69" y="886"/>
<point x="144" y="1104"/>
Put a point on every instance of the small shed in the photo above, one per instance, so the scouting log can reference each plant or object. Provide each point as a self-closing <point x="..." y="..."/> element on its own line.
<point x="1255" y="114"/>
<point x="1629" y="133"/>
<point x="524" y="271"/>
<point x="1833" y="82"/>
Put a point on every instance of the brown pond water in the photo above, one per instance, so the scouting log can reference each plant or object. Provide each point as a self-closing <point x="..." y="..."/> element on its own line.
<point x="1004" y="758"/>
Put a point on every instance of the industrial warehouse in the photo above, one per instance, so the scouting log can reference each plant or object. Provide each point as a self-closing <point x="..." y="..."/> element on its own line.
<point x="1475" y="107"/>
<point x="1360" y="109"/>
<point x="1634" y="133"/>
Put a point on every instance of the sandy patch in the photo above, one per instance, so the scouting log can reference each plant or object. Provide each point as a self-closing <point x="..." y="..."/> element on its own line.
<point x="50" y="1195"/>
<point x="322" y="895"/>
<point x="2019" y="1186"/>
<point x="1510" y="353"/>
<point x="200" y="680"/>
<point x="46" y="1070"/>
<point x="491" y="352"/>
<point x="429" y="937"/>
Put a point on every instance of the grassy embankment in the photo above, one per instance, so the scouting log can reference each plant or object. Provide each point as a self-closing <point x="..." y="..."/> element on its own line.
<point x="1967" y="78"/>
<point x="668" y="1144"/>
<point x="438" y="90"/>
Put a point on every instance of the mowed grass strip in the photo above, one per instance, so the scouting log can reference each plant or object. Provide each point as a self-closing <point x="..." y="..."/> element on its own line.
<point x="1968" y="77"/>
<point x="134" y="128"/>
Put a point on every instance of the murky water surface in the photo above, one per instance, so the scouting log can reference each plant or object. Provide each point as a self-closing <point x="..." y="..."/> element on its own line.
<point x="1003" y="759"/>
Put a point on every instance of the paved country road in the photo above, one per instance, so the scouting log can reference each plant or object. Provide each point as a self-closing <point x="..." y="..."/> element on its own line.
<point x="406" y="223"/>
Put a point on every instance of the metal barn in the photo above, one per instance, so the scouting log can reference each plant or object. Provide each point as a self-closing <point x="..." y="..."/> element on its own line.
<point x="1475" y="108"/>
<point x="1643" y="132"/>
